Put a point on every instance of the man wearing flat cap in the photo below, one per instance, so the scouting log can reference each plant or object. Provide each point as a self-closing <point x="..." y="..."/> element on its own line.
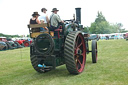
<point x="55" y="19"/>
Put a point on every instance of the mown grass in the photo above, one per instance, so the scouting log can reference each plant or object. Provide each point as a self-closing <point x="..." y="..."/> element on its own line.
<point x="111" y="68"/>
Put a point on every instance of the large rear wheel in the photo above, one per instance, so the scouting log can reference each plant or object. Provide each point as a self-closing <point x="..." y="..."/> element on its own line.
<point x="75" y="52"/>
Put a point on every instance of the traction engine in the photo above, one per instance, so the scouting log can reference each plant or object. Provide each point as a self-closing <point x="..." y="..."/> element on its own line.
<point x="69" y="47"/>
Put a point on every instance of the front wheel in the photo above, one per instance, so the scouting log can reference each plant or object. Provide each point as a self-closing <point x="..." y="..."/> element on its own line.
<point x="94" y="51"/>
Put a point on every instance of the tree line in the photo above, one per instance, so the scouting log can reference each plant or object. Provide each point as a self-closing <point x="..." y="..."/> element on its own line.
<point x="12" y="36"/>
<point x="102" y="26"/>
<point x="8" y="36"/>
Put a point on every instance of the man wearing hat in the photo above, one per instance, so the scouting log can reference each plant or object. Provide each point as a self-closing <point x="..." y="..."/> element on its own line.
<point x="44" y="16"/>
<point x="55" y="19"/>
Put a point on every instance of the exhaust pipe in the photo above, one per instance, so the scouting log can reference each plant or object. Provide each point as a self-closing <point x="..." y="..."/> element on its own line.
<point x="78" y="15"/>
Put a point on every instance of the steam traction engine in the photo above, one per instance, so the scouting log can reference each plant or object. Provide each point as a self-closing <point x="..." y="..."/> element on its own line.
<point x="69" y="47"/>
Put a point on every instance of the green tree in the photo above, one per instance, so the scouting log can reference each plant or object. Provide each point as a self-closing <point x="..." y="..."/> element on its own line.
<point x="93" y="28"/>
<point x="117" y="28"/>
<point x="86" y="29"/>
<point x="8" y="36"/>
<point x="100" y="26"/>
<point x="100" y="18"/>
<point x="28" y="35"/>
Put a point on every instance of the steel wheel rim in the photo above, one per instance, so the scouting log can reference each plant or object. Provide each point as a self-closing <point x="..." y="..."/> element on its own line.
<point x="80" y="53"/>
<point x="96" y="51"/>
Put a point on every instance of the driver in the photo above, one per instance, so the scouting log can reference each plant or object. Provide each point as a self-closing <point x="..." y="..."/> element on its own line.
<point x="55" y="20"/>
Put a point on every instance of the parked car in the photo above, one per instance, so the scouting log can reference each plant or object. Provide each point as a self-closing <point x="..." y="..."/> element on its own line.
<point x="126" y="36"/>
<point x="94" y="37"/>
<point x="10" y="44"/>
<point x="112" y="37"/>
<point x="25" y="43"/>
<point x="13" y="44"/>
<point x="3" y="46"/>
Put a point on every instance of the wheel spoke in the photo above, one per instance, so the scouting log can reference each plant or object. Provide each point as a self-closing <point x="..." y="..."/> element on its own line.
<point x="79" y="45"/>
<point x="82" y="54"/>
<point x="75" y="51"/>
<point x="77" y="56"/>
<point x="77" y="48"/>
<point x="79" y="63"/>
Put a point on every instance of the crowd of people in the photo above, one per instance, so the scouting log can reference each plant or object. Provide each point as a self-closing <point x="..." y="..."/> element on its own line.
<point x="54" y="20"/>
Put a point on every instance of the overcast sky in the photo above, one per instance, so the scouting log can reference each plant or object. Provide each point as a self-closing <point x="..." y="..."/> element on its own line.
<point x="15" y="14"/>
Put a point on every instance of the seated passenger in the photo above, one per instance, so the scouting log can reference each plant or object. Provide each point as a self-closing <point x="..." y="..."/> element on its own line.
<point x="43" y="28"/>
<point x="44" y="18"/>
<point x="35" y="20"/>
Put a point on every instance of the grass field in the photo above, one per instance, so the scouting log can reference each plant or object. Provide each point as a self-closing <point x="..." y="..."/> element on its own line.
<point x="111" y="68"/>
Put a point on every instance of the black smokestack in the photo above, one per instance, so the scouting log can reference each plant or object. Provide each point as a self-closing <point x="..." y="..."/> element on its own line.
<point x="78" y="15"/>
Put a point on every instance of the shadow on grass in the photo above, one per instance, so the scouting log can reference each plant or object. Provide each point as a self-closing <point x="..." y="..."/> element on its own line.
<point x="60" y="71"/>
<point x="89" y="62"/>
